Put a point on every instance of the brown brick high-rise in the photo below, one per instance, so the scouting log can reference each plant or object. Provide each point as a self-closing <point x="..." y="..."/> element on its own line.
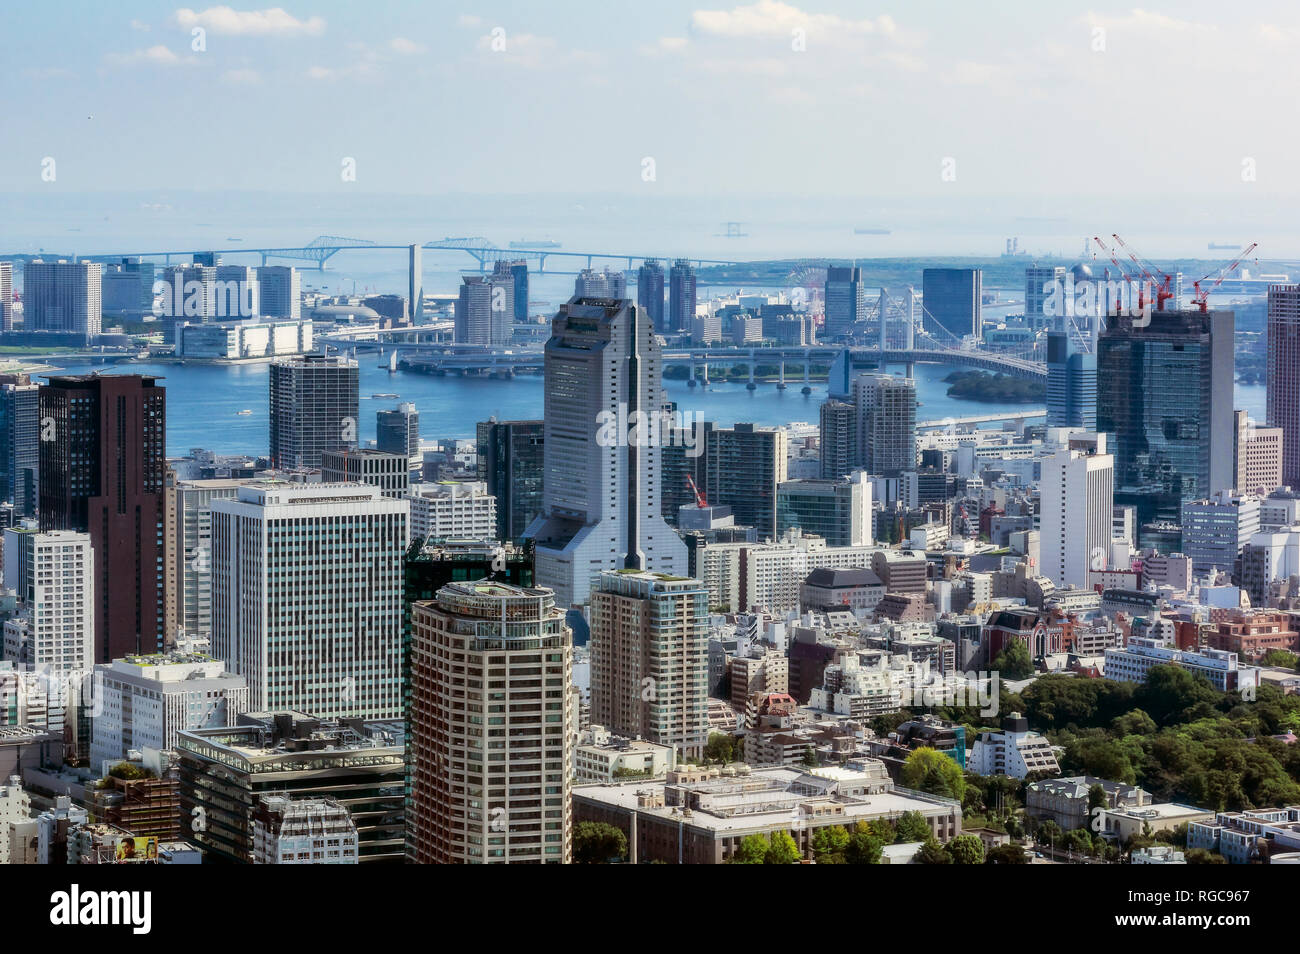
<point x="102" y="465"/>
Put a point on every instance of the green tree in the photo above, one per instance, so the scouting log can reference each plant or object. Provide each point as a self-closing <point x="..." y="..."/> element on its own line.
<point x="1199" y="856"/>
<point x="1014" y="661"/>
<point x="931" y="771"/>
<point x="782" y="850"/>
<point x="1049" y="833"/>
<point x="966" y="850"/>
<point x="864" y="847"/>
<point x="932" y="853"/>
<point x="810" y="757"/>
<point x="1280" y="658"/>
<point x="829" y="845"/>
<point x="1096" y="798"/>
<point x="911" y="826"/>
<point x="720" y="748"/>
<point x="1006" y="855"/>
<point x="752" y="850"/>
<point x="596" y="843"/>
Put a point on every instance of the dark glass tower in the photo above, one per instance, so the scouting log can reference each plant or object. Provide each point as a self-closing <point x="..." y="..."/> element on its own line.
<point x="1165" y="393"/>
<point x="681" y="296"/>
<point x="650" y="293"/>
<point x="952" y="297"/>
<point x="1071" y="383"/>
<point x="510" y="463"/>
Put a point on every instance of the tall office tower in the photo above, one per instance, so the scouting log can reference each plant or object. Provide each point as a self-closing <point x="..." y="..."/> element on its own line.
<point x="238" y="292"/>
<point x="490" y="771"/>
<point x="1257" y="455"/>
<point x="6" y="296"/>
<point x="952" y="298"/>
<point x="683" y="456"/>
<point x="839" y="439"/>
<point x="280" y="291"/>
<point x="1041" y="284"/>
<point x="103" y="472"/>
<point x="307" y="596"/>
<point x="63" y="296"/>
<point x="605" y="283"/>
<point x="190" y="504"/>
<point x="516" y="273"/>
<point x="837" y="510"/>
<point x="485" y="310"/>
<point x="1076" y="511"/>
<point x="53" y="575"/>
<point x="1284" y="375"/>
<point x="886" y="406"/>
<point x="206" y="259"/>
<point x="681" y="295"/>
<point x="1216" y="529"/>
<point x="600" y="495"/>
<point x="126" y="288"/>
<point x="415" y="282"/>
<point x="650" y="293"/>
<point x="745" y="464"/>
<point x="314" y="408"/>
<point x="390" y="474"/>
<point x="510" y="463"/>
<point x="1071" y="382"/>
<point x="188" y="292"/>
<point x="1167" y="399"/>
<point x="846" y="300"/>
<point x="397" y="431"/>
<point x="20" y="433"/>
<point x="650" y="659"/>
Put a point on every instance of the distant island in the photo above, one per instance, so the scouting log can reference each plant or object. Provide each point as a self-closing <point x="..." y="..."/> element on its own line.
<point x="995" y="388"/>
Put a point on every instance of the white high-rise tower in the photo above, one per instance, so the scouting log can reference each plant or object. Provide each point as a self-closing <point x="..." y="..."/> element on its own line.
<point x="602" y="463"/>
<point x="1076" y="504"/>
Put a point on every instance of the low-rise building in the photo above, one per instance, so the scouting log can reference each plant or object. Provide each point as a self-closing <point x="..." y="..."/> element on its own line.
<point x="700" y="816"/>
<point x="601" y="756"/>
<point x="1134" y="662"/>
<point x="303" y="831"/>
<point x="1014" y="750"/>
<point x="1245" y="837"/>
<point x="1066" y="800"/>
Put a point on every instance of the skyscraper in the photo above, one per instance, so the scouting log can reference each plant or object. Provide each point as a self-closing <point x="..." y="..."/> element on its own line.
<point x="415" y="282"/>
<point x="1167" y="399"/>
<point x="20" y="433"/>
<point x="839" y="439"/>
<point x="1284" y="374"/>
<point x="397" y="431"/>
<point x="886" y="415"/>
<point x="1040" y="285"/>
<point x="314" y="408"/>
<point x="600" y="502"/>
<point x="1076" y="511"/>
<point x="280" y="291"/>
<point x="952" y="299"/>
<point x="517" y="273"/>
<point x="63" y="296"/>
<point x="846" y="300"/>
<point x="1071" y="382"/>
<point x="605" y="283"/>
<point x="190" y="502"/>
<point x="485" y="310"/>
<point x="744" y="466"/>
<point x="681" y="295"/>
<point x="307" y="596"/>
<point x="490" y="771"/>
<point x="650" y="293"/>
<point x="6" y="296"/>
<point x="650" y="658"/>
<point x="102" y="472"/>
<point x="510" y="463"/>
<point x="53" y="576"/>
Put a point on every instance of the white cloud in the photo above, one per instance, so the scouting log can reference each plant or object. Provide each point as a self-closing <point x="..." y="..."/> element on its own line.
<point x="667" y="45"/>
<point x="772" y="18"/>
<point x="155" y="55"/>
<point x="404" y="46"/>
<point x="241" y="77"/>
<point x="140" y="25"/>
<point x="468" y="20"/>
<point x="227" y="21"/>
<point x="1138" y="19"/>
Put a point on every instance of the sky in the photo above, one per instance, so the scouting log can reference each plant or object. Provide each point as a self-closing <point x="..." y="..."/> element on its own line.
<point x="1181" y="113"/>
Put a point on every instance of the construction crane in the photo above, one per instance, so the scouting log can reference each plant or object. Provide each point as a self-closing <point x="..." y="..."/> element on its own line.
<point x="1202" y="296"/>
<point x="1164" y="287"/>
<point x="1123" y="273"/>
<point x="699" y="497"/>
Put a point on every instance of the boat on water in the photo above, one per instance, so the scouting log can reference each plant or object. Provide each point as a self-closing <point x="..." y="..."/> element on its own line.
<point x="244" y="411"/>
<point x="384" y="396"/>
